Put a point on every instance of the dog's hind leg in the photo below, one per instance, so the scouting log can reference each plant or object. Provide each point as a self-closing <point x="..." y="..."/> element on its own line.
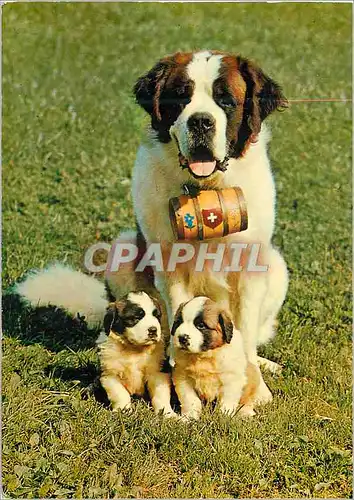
<point x="269" y="366"/>
<point x="277" y="285"/>
<point x="252" y="290"/>
<point x="174" y="292"/>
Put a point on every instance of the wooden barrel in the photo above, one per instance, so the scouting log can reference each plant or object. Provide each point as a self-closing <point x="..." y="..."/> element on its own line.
<point x="209" y="214"/>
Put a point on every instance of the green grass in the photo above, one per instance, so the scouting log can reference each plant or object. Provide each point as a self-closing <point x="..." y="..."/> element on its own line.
<point x="70" y="132"/>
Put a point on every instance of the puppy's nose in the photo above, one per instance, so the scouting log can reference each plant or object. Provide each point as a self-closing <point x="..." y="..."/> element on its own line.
<point x="183" y="340"/>
<point x="201" y="122"/>
<point x="152" y="332"/>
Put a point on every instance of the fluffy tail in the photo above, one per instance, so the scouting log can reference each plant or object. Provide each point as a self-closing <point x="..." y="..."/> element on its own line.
<point x="71" y="290"/>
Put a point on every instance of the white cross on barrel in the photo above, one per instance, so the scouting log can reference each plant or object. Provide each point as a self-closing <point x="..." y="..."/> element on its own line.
<point x="212" y="217"/>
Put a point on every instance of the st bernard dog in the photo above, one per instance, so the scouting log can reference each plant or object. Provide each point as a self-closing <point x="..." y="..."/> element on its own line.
<point x="206" y="131"/>
<point x="210" y="362"/>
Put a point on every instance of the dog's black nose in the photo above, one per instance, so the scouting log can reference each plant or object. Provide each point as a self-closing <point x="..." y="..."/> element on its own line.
<point x="152" y="332"/>
<point x="183" y="340"/>
<point x="201" y="122"/>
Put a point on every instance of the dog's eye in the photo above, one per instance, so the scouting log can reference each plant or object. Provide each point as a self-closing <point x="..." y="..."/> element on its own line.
<point x="182" y="97"/>
<point x="201" y="325"/>
<point x="226" y="101"/>
<point x="181" y="91"/>
<point x="156" y="313"/>
<point x="140" y="314"/>
<point x="178" y="96"/>
<point x="134" y="318"/>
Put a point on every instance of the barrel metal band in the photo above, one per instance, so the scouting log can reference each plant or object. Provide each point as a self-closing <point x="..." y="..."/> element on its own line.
<point x="243" y="209"/>
<point x="225" y="212"/>
<point x="199" y="217"/>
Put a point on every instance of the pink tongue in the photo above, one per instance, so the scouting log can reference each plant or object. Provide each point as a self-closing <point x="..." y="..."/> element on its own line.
<point x="202" y="168"/>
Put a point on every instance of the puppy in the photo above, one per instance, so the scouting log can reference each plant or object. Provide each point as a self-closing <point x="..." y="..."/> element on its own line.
<point x="131" y="353"/>
<point x="210" y="361"/>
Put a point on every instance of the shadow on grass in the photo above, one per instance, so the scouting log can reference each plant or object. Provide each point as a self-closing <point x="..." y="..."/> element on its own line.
<point x="87" y="377"/>
<point x="48" y="326"/>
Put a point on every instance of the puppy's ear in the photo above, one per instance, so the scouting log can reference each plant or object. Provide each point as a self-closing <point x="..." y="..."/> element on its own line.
<point x="158" y="308"/>
<point x="263" y="95"/>
<point x="148" y="88"/>
<point x="227" y="326"/>
<point x="109" y="317"/>
<point x="112" y="320"/>
<point x="109" y="294"/>
<point x="178" y="318"/>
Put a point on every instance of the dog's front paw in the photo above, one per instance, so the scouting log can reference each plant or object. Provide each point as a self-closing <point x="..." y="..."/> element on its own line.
<point x="246" y="411"/>
<point x="189" y="416"/>
<point x="170" y="414"/>
<point x="263" y="395"/>
<point x="228" y="410"/>
<point x="127" y="409"/>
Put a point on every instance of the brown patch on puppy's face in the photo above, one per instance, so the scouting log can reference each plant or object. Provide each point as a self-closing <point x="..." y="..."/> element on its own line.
<point x="201" y="325"/>
<point x="219" y="325"/>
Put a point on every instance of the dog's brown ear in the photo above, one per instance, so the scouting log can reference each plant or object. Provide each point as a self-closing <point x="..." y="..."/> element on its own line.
<point x="158" y="308"/>
<point x="227" y="326"/>
<point x="109" y="317"/>
<point x="178" y="320"/>
<point x="112" y="320"/>
<point x="263" y="95"/>
<point x="148" y="87"/>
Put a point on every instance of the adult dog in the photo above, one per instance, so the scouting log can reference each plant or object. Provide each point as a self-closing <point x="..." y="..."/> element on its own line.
<point x="207" y="111"/>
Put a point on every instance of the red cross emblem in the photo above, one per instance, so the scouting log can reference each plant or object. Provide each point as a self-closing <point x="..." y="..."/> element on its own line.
<point x="212" y="218"/>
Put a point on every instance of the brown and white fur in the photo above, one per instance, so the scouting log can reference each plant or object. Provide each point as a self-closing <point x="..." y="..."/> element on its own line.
<point x="210" y="362"/>
<point x="132" y="353"/>
<point x="231" y="97"/>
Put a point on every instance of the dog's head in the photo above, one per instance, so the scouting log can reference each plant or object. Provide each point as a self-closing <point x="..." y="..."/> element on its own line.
<point x="201" y="325"/>
<point x="211" y="104"/>
<point x="134" y="318"/>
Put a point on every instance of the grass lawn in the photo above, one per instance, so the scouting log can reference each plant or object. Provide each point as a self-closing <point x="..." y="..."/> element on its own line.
<point x="70" y="133"/>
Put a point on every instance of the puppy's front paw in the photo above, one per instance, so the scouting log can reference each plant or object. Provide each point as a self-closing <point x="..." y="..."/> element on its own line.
<point x="126" y="408"/>
<point x="246" y="411"/>
<point x="263" y="395"/>
<point x="228" y="410"/>
<point x="170" y="414"/>
<point x="189" y="416"/>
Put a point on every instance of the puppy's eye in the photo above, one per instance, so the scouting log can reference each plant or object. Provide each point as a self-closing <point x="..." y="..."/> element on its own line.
<point x="134" y="318"/>
<point x="139" y="314"/>
<point x="156" y="313"/>
<point x="201" y="325"/>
